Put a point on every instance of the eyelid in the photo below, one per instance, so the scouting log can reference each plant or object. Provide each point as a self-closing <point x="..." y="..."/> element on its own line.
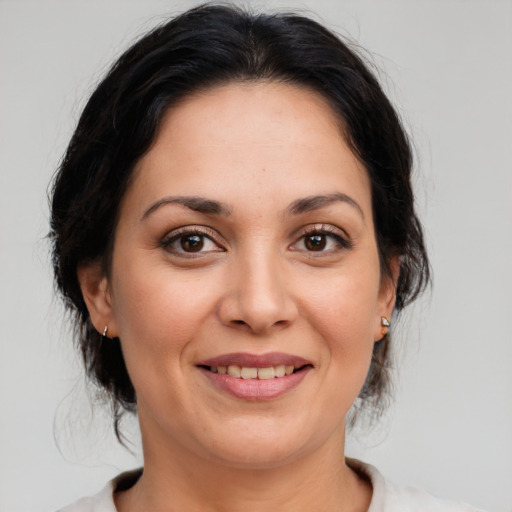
<point x="191" y="230"/>
<point x="339" y="234"/>
<point x="204" y="231"/>
<point x="327" y="229"/>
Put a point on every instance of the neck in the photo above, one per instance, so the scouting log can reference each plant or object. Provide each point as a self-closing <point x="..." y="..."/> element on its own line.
<point x="175" y="479"/>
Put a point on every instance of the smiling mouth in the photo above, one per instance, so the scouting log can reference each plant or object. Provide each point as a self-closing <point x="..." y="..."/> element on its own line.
<point x="255" y="377"/>
<point x="247" y="373"/>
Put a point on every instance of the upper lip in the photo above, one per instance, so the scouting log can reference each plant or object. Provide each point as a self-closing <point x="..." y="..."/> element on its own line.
<point x="248" y="360"/>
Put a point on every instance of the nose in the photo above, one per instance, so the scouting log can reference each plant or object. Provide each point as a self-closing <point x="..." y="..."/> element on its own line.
<point x="258" y="297"/>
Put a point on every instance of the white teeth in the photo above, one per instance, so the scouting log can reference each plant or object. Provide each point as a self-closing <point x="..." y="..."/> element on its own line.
<point x="245" y="372"/>
<point x="266" y="373"/>
<point x="234" y="371"/>
<point x="279" y="371"/>
<point x="249" y="373"/>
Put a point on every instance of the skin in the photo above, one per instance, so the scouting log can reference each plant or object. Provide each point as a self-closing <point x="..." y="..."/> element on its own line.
<point x="256" y="286"/>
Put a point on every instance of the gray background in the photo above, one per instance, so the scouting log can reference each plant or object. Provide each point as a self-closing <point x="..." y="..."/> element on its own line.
<point x="448" y="67"/>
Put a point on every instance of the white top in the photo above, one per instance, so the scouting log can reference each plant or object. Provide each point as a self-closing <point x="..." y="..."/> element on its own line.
<point x="387" y="497"/>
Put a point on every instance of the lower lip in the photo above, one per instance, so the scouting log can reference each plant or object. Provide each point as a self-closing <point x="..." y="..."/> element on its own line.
<point x="256" y="389"/>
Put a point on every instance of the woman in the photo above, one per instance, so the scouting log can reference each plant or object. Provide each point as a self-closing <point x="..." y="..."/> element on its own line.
<point x="234" y="229"/>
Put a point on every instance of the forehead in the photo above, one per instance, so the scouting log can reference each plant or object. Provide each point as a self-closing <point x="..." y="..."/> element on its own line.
<point x="251" y="139"/>
<point x="258" y="112"/>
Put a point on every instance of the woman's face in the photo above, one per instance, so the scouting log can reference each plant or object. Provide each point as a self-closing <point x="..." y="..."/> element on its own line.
<point x="245" y="250"/>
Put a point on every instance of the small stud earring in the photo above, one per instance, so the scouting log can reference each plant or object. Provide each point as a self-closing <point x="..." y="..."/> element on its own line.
<point x="105" y="331"/>
<point x="384" y="321"/>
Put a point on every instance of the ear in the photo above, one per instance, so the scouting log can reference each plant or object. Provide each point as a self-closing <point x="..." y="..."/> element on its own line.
<point x="387" y="296"/>
<point x="95" y="290"/>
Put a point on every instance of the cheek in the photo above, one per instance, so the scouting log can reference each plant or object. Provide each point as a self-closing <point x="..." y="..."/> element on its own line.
<point x="157" y="315"/>
<point x="346" y="302"/>
<point x="154" y="302"/>
<point x="342" y="310"/>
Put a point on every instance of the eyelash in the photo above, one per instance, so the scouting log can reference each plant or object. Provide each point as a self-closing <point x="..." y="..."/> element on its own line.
<point x="206" y="233"/>
<point x="327" y="231"/>
<point x="189" y="232"/>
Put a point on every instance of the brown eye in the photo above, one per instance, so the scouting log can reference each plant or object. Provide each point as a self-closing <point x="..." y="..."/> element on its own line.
<point x="316" y="242"/>
<point x="192" y="243"/>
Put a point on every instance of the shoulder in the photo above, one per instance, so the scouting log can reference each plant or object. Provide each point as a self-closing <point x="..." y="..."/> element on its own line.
<point x="101" y="502"/>
<point x="104" y="500"/>
<point x="389" y="497"/>
<point x="411" y="499"/>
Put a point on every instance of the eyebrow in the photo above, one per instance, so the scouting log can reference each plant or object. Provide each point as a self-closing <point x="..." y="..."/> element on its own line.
<point x="311" y="203"/>
<point x="212" y="207"/>
<point x="197" y="204"/>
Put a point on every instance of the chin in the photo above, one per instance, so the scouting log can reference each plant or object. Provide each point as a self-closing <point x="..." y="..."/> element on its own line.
<point x="270" y="445"/>
<point x="258" y="455"/>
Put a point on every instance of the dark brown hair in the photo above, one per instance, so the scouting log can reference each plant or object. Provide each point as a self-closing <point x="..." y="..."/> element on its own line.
<point x="207" y="46"/>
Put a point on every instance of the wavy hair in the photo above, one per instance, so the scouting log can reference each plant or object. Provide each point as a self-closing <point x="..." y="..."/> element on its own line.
<point x="205" y="47"/>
